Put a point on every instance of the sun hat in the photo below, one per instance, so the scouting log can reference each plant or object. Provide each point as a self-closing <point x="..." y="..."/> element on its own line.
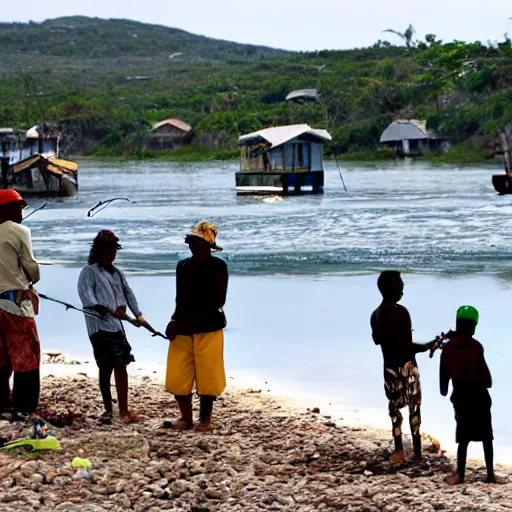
<point x="206" y="231"/>
<point x="9" y="196"/>
<point x="468" y="313"/>
<point x="106" y="239"/>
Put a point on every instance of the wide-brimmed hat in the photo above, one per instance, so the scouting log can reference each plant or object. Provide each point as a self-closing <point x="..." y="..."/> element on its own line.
<point x="106" y="239"/>
<point x="205" y="231"/>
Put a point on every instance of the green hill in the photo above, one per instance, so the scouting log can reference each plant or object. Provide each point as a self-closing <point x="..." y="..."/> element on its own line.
<point x="79" y="37"/>
<point x="105" y="81"/>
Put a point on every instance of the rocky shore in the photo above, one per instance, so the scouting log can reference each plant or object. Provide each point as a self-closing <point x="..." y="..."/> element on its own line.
<point x="262" y="455"/>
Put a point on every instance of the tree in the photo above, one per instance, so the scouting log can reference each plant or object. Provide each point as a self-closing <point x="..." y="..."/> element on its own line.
<point x="406" y="35"/>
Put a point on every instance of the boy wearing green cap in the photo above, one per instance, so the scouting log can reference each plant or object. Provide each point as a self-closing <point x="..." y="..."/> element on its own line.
<point x="462" y="361"/>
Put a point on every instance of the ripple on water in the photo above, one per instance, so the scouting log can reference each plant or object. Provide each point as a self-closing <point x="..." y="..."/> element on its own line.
<point x="403" y="215"/>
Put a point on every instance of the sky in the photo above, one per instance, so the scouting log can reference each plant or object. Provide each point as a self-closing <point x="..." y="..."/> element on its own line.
<point x="294" y="24"/>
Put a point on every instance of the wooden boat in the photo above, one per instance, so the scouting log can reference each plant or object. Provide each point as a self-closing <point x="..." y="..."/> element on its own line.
<point x="503" y="182"/>
<point x="282" y="160"/>
<point x="31" y="163"/>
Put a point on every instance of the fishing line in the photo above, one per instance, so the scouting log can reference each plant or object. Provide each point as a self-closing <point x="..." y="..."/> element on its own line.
<point x="35" y="211"/>
<point x="341" y="176"/>
<point x="105" y="204"/>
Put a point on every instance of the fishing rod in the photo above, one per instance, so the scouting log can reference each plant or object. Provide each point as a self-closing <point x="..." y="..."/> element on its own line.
<point x="35" y="211"/>
<point x="91" y="314"/>
<point x="105" y="204"/>
<point x="341" y="176"/>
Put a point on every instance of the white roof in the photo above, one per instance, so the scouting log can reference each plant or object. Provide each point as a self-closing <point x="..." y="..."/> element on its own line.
<point x="303" y="93"/>
<point x="407" y="129"/>
<point x="32" y="133"/>
<point x="277" y="135"/>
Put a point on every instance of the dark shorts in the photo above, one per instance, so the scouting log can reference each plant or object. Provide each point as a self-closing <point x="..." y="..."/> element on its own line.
<point x="111" y="349"/>
<point x="473" y="416"/>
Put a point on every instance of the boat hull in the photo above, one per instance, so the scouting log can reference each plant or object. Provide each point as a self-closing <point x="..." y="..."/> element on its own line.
<point x="502" y="183"/>
<point x="40" y="176"/>
<point x="279" y="183"/>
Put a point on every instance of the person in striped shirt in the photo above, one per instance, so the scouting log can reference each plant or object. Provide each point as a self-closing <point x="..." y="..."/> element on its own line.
<point x="104" y="291"/>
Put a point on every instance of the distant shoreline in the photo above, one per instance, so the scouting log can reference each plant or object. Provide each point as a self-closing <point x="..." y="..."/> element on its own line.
<point x="191" y="154"/>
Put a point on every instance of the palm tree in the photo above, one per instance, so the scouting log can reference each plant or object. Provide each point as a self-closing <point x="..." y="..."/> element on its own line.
<point x="406" y="35"/>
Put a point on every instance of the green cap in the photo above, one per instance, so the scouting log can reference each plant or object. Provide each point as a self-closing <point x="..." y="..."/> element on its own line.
<point x="468" y="313"/>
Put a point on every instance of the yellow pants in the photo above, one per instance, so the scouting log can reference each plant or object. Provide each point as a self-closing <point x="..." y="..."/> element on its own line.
<point x="199" y="358"/>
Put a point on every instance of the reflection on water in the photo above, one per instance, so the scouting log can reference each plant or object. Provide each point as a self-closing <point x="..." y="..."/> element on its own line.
<point x="404" y="214"/>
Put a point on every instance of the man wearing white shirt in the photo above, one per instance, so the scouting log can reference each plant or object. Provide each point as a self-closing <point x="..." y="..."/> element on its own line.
<point x="19" y="342"/>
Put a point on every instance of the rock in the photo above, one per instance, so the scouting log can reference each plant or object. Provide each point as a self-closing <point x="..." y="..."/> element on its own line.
<point x="27" y="469"/>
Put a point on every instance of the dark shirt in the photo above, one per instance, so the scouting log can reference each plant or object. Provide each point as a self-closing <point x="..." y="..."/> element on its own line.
<point x="201" y="293"/>
<point x="463" y="361"/>
<point x="392" y="330"/>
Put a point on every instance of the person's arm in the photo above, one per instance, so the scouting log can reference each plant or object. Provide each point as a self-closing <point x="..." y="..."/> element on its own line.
<point x="399" y="323"/>
<point x="179" y="289"/>
<point x="444" y="376"/>
<point x="130" y="296"/>
<point x="27" y="259"/>
<point x="87" y="294"/>
<point x="484" y="371"/>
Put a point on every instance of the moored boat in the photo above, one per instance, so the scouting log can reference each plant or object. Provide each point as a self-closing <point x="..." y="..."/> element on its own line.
<point x="31" y="163"/>
<point x="282" y="160"/>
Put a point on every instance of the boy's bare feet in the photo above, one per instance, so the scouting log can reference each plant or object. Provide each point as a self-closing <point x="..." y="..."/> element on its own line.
<point x="130" y="417"/>
<point x="397" y="459"/>
<point x="453" y="479"/>
<point x="181" y="424"/>
<point x="203" y="426"/>
<point x="494" y="479"/>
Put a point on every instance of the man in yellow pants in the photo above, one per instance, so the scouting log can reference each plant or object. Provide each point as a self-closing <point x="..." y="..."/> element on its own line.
<point x="196" y="351"/>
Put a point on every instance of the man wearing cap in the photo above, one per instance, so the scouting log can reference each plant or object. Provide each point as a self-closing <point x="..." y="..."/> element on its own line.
<point x="19" y="342"/>
<point x="103" y="289"/>
<point x="392" y="330"/>
<point x="463" y="362"/>
<point x="196" y="351"/>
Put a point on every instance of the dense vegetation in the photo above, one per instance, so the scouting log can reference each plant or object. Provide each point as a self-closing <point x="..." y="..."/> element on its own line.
<point x="106" y="81"/>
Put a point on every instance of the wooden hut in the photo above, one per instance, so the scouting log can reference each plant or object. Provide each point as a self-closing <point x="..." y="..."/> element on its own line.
<point x="282" y="160"/>
<point x="410" y="137"/>
<point x="169" y="133"/>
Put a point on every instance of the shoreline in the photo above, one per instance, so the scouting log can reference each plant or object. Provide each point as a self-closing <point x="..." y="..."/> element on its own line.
<point x="264" y="453"/>
<point x="256" y="386"/>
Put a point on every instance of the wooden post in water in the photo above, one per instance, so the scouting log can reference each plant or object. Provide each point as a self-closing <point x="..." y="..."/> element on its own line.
<point x="506" y="143"/>
<point x="5" y="171"/>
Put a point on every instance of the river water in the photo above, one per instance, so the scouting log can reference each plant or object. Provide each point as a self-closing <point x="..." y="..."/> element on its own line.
<point x="405" y="215"/>
<point x="303" y="272"/>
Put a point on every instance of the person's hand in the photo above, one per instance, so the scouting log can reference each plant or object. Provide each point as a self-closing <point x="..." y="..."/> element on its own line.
<point x="120" y="312"/>
<point x="102" y="310"/>
<point x="172" y="330"/>
<point x="140" y="321"/>
<point x="431" y="344"/>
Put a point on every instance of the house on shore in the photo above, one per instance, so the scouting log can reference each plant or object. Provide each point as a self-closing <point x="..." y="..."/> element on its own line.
<point x="170" y="133"/>
<point x="410" y="137"/>
<point x="282" y="160"/>
<point x="303" y="96"/>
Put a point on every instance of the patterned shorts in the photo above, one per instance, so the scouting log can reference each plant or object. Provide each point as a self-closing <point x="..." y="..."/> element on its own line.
<point x="402" y="385"/>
